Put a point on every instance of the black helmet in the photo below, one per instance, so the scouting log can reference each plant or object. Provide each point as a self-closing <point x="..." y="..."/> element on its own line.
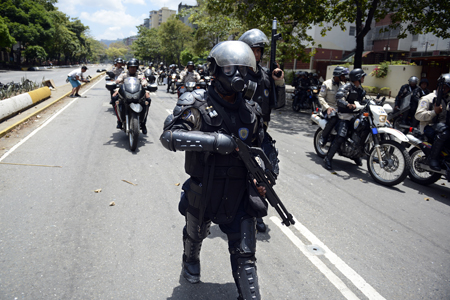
<point x="444" y="79"/>
<point x="413" y="79"/>
<point x="315" y="75"/>
<point x="133" y="63"/>
<point x="356" y="74"/>
<point x="151" y="64"/>
<point x="115" y="61"/>
<point x="424" y="80"/>
<point x="119" y="60"/>
<point x="228" y="62"/>
<point x="338" y="71"/>
<point x="190" y="63"/>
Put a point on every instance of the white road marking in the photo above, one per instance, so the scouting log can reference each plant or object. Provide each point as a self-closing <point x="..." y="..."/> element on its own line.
<point x="43" y="125"/>
<point x="348" y="272"/>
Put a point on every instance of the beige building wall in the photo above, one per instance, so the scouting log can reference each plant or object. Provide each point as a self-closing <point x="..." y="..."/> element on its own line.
<point x="157" y="17"/>
<point x="396" y="77"/>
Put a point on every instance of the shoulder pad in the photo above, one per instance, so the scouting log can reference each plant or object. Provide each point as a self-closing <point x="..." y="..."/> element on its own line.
<point x="186" y="99"/>
<point x="255" y="106"/>
<point x="199" y="94"/>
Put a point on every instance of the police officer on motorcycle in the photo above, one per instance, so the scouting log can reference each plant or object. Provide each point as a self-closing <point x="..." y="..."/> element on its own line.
<point x="257" y="41"/>
<point x="315" y="80"/>
<point x="327" y="99"/>
<point x="219" y="188"/>
<point x="189" y="75"/>
<point x="345" y="98"/>
<point x="132" y="66"/>
<point x="404" y="91"/>
<point x="172" y="70"/>
<point x="118" y="67"/>
<point x="435" y="120"/>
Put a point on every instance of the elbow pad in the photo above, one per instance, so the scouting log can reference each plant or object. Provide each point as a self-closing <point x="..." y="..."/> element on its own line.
<point x="198" y="141"/>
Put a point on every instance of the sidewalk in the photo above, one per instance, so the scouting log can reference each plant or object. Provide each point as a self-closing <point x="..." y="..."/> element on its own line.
<point x="57" y="94"/>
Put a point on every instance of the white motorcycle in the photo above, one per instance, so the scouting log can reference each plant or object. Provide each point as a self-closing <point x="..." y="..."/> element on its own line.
<point x="388" y="161"/>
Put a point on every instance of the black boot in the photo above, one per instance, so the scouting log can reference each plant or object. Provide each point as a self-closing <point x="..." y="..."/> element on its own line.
<point x="191" y="259"/>
<point x="333" y="149"/>
<point x="358" y="161"/>
<point x="246" y="279"/>
<point x="260" y="226"/>
<point x="119" y="125"/>
<point x="143" y="128"/>
<point x="433" y="159"/>
<point x="328" y="128"/>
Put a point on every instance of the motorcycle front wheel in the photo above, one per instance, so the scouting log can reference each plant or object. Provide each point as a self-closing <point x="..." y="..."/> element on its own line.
<point x="321" y="151"/>
<point x="417" y="174"/>
<point x="395" y="163"/>
<point x="133" y="134"/>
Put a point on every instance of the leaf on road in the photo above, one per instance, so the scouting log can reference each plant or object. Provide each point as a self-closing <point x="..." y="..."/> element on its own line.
<point x="177" y="184"/>
<point x="427" y="199"/>
<point x="334" y="173"/>
<point x="98" y="190"/>
<point x="360" y="179"/>
<point x="129" y="182"/>
<point x="441" y="183"/>
<point x="112" y="204"/>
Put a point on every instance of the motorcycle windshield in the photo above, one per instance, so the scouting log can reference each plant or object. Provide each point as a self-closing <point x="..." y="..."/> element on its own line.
<point x="132" y="85"/>
<point x="190" y="84"/>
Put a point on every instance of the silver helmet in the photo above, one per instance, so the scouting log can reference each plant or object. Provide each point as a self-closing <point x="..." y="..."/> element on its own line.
<point x="254" y="38"/>
<point x="231" y="53"/>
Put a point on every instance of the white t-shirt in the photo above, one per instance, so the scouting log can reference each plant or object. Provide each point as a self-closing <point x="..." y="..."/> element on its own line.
<point x="76" y="73"/>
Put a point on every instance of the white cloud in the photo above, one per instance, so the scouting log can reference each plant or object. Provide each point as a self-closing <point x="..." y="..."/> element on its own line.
<point x="141" y="2"/>
<point x="107" y="17"/>
<point x="112" y="33"/>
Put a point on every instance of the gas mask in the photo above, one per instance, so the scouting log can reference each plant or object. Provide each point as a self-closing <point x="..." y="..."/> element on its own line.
<point x="230" y="80"/>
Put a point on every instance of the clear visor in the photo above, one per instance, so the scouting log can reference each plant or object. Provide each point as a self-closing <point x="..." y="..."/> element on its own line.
<point x="233" y="53"/>
<point x="230" y="70"/>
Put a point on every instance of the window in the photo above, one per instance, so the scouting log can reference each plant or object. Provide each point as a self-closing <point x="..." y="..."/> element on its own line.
<point x="415" y="38"/>
<point x="352" y="31"/>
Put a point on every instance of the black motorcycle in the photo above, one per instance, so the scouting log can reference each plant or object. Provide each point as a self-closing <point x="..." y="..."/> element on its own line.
<point x="161" y="76"/>
<point x="151" y="79"/>
<point x="130" y="108"/>
<point x="309" y="102"/>
<point x="190" y="86"/>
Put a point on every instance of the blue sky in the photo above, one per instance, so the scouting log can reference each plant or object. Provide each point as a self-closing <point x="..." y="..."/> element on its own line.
<point x="113" y="19"/>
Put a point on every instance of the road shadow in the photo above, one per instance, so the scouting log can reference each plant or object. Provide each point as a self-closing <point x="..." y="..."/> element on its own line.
<point x="287" y="121"/>
<point x="203" y="291"/>
<point x="439" y="191"/>
<point x="120" y="140"/>
<point x="346" y="169"/>
<point x="215" y="232"/>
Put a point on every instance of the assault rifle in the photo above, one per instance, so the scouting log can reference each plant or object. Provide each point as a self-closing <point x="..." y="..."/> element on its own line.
<point x="273" y="64"/>
<point x="440" y="91"/>
<point x="263" y="177"/>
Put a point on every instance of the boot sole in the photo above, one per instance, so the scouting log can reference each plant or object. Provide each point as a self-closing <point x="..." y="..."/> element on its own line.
<point x="190" y="278"/>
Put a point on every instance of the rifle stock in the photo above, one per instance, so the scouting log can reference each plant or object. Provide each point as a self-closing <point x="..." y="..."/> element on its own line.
<point x="263" y="177"/>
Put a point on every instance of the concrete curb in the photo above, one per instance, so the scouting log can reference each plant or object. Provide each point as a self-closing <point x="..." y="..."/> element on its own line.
<point x="37" y="95"/>
<point x="17" y="103"/>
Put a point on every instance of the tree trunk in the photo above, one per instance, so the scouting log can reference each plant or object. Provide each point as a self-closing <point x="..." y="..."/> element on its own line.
<point x="359" y="51"/>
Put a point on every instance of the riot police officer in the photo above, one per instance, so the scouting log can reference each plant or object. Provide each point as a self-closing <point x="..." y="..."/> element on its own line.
<point x="435" y="120"/>
<point x="218" y="189"/>
<point x="345" y="98"/>
<point x="405" y="90"/>
<point x="327" y="99"/>
<point x="257" y="40"/>
<point x="132" y="71"/>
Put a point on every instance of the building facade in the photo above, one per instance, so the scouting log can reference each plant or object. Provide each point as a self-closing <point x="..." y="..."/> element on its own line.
<point x="157" y="17"/>
<point x="185" y="19"/>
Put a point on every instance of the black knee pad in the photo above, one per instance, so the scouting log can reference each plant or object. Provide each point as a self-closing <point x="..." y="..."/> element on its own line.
<point x="244" y="244"/>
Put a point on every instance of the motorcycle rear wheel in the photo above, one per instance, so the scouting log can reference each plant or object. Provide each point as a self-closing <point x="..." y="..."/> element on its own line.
<point x="417" y="174"/>
<point x="398" y="163"/>
<point x="321" y="151"/>
<point x="133" y="134"/>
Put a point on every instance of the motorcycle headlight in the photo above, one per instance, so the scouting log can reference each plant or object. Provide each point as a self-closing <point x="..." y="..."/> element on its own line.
<point x="315" y="91"/>
<point x="383" y="119"/>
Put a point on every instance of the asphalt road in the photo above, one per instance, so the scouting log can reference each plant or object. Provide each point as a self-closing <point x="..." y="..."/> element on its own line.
<point x="59" y="239"/>
<point x="59" y="75"/>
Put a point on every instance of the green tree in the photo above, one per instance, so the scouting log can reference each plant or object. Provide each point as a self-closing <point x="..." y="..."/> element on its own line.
<point x="427" y="16"/>
<point x="186" y="56"/>
<point x="147" y="46"/>
<point x="28" y="22"/>
<point x="35" y="52"/>
<point x="97" y="50"/>
<point x="174" y="37"/>
<point x="6" y="40"/>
